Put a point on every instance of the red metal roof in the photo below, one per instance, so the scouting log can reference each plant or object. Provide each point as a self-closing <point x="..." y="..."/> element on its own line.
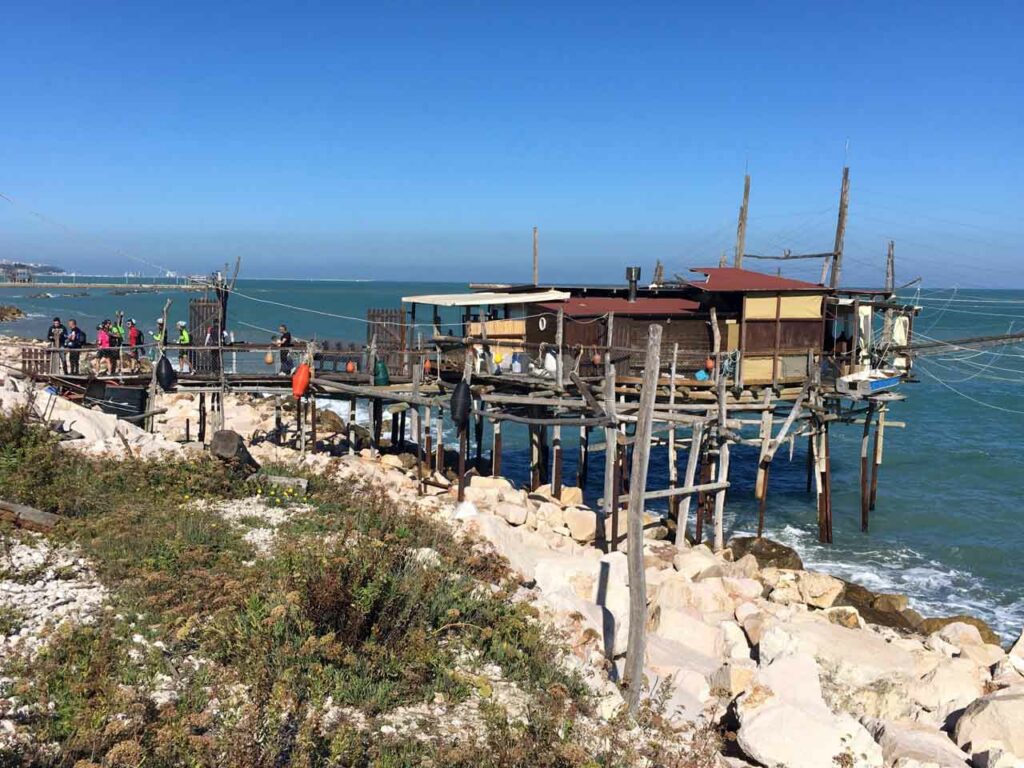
<point x="592" y="306"/>
<point x="736" y="279"/>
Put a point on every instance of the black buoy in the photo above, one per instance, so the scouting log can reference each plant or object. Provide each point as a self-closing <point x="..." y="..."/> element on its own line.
<point x="165" y="375"/>
<point x="462" y="403"/>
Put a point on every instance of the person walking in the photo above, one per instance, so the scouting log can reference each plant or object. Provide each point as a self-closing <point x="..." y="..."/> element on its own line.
<point x="117" y="338"/>
<point x="56" y="336"/>
<point x="74" y="340"/>
<point x="284" y="343"/>
<point x="184" y="339"/>
<point x="159" y="338"/>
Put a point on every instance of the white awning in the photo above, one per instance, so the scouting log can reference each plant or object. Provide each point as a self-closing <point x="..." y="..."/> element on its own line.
<point x="485" y="298"/>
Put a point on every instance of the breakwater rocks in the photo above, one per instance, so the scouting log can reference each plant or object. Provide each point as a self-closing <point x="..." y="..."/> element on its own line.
<point x="797" y="668"/>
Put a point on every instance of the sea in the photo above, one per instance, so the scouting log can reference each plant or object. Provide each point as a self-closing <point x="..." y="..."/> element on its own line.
<point x="948" y="529"/>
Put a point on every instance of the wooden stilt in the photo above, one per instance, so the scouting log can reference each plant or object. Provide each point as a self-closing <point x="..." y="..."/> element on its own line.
<point x="352" y="426"/>
<point x="378" y="424"/>
<point x="299" y="406"/>
<point x="439" y="461"/>
<point x="635" y="524"/>
<point x="584" y="458"/>
<point x="879" y="441"/>
<point x="534" y="457"/>
<point x="692" y="459"/>
<point x="827" y="482"/>
<point x="763" y="501"/>
<point x="707" y="470"/>
<point x="463" y="450"/>
<point x="479" y="435"/>
<point x="610" y="458"/>
<point x="556" y="462"/>
<point x="312" y="422"/>
<point x="278" y="423"/>
<point x="401" y="431"/>
<point x="201" y="432"/>
<point x="723" y="467"/>
<point x="673" y="465"/>
<point x="865" y="497"/>
<point x="394" y="431"/>
<point x="428" y="438"/>
<point x="817" y="447"/>
<point x="545" y="455"/>
<point x="496" y="450"/>
<point x="810" y="461"/>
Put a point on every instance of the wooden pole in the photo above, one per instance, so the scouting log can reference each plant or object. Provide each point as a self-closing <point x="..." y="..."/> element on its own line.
<point x="478" y="434"/>
<point x="556" y="462"/>
<point x="534" y="457"/>
<point x="673" y="466"/>
<point x="583" y="458"/>
<point x="352" y="426"/>
<point x="828" y="482"/>
<point x="741" y="226"/>
<point x="439" y="459"/>
<point x="865" y="496"/>
<point x="633" y="676"/>
<point x="312" y="421"/>
<point x="890" y="289"/>
<point x="610" y="451"/>
<point x="428" y="445"/>
<point x="559" y="329"/>
<point x="837" y="251"/>
<point x="879" y="440"/>
<point x="723" y="468"/>
<point x="467" y="376"/>
<point x="496" y="450"/>
<point x="202" y="417"/>
<point x="536" y="262"/>
<point x="696" y="439"/>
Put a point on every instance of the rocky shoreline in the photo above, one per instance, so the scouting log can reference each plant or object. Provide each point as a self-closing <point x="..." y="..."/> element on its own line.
<point x="795" y="668"/>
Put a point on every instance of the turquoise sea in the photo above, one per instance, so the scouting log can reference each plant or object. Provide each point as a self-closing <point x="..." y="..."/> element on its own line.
<point x="949" y="526"/>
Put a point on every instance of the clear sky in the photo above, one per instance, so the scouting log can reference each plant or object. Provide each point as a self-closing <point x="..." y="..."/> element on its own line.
<point x="424" y="140"/>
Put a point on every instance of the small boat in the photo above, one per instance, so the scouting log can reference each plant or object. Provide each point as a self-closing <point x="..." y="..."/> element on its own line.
<point x="869" y="382"/>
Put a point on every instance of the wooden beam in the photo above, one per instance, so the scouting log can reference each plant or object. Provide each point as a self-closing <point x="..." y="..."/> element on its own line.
<point x="741" y="225"/>
<point x="688" y="478"/>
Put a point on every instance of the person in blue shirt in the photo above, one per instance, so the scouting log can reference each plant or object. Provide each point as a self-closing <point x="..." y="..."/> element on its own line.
<point x="705" y="373"/>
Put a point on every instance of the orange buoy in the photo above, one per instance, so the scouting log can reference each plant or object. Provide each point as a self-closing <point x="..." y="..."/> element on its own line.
<point x="350" y="366"/>
<point x="596" y="359"/>
<point x="268" y="358"/>
<point x="300" y="380"/>
<point x="427" y="367"/>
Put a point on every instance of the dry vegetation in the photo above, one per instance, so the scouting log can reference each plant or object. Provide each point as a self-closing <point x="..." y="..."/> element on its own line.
<point x="211" y="655"/>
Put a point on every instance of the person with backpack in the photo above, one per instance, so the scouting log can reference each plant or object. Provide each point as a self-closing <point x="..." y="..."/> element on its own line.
<point x="74" y="340"/>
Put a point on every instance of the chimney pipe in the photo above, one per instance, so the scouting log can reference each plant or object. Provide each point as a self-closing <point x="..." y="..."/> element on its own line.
<point x="632" y="277"/>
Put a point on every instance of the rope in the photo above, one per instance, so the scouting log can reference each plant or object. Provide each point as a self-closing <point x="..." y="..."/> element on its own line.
<point x="968" y="397"/>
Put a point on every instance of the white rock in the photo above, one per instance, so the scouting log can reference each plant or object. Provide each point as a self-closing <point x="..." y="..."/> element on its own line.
<point x="818" y="589"/>
<point x="995" y="721"/>
<point x="582" y="523"/>
<point x="686" y="628"/>
<point x="1016" y="654"/>
<point x="951" y="686"/>
<point x="492" y="483"/>
<point x="906" y="740"/>
<point x="784" y="721"/>
<point x="512" y="513"/>
<point x="694" y="560"/>
<point x="960" y="634"/>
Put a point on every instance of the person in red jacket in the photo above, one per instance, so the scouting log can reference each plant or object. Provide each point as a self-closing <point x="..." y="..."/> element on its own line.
<point x="136" y="340"/>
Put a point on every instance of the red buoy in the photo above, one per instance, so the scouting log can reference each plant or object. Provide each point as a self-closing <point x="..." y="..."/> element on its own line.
<point x="300" y="380"/>
<point x="350" y="366"/>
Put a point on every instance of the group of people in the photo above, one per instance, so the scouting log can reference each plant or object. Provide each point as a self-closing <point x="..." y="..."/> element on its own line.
<point x="119" y="346"/>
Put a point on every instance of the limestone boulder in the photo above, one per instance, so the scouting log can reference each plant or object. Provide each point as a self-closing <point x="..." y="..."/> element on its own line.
<point x="960" y="634"/>
<point x="906" y="740"/>
<point x="985" y="655"/>
<point x="988" y="635"/>
<point x="947" y="689"/>
<point x="659" y="554"/>
<point x="784" y="721"/>
<point x="550" y="514"/>
<point x="818" y="589"/>
<point x="1016" y="654"/>
<point x="582" y="523"/>
<point x="994" y="722"/>
<point x="686" y="628"/>
<point x="571" y="496"/>
<point x="862" y="673"/>
<point x="705" y="597"/>
<point x="734" y="677"/>
<point x="511" y="513"/>
<point x="483" y="497"/>
<point x="691" y="562"/>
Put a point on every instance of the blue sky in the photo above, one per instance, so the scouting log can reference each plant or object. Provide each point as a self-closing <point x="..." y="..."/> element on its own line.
<point x="415" y="140"/>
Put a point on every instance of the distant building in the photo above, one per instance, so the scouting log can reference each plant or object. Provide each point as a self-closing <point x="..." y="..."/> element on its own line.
<point x="18" y="275"/>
